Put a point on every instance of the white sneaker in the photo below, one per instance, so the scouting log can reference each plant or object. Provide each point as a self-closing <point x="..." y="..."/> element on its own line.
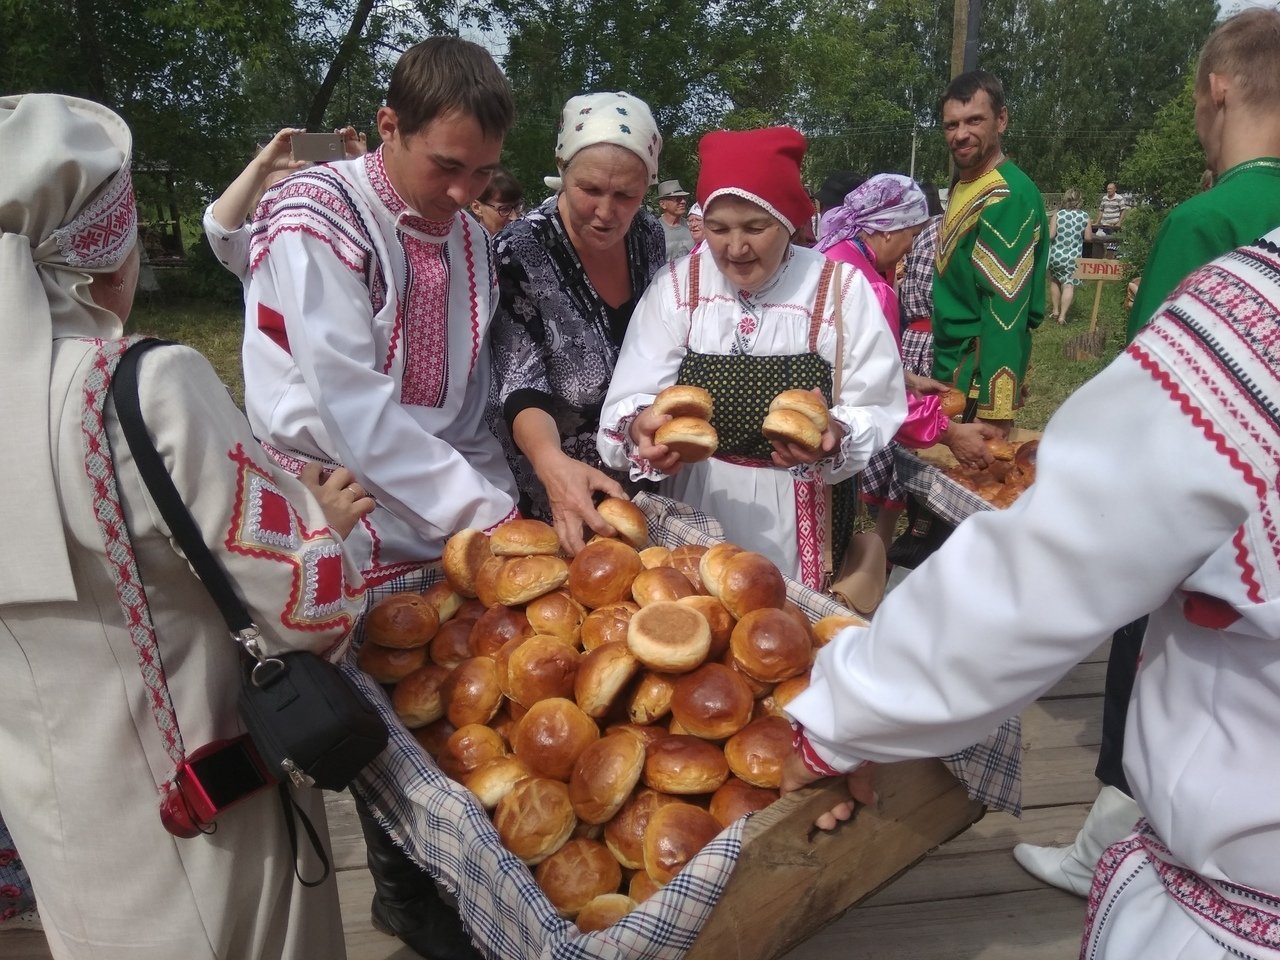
<point x="1111" y="818"/>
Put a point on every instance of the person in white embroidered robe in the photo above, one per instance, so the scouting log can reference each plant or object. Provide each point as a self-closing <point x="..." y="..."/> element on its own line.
<point x="85" y="758"/>
<point x="367" y="315"/>
<point x="760" y="297"/>
<point x="1156" y="490"/>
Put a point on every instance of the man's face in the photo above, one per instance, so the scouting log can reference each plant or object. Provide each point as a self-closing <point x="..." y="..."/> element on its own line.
<point x="973" y="132"/>
<point x="1111" y="189"/>
<point x="673" y="206"/>
<point x="442" y="167"/>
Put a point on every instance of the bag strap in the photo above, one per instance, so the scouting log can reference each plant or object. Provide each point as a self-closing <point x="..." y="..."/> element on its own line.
<point x="124" y="392"/>
<point x="290" y="807"/>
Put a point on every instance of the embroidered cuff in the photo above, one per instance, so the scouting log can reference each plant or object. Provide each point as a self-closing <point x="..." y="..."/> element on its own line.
<point x="641" y="469"/>
<point x="513" y="515"/>
<point x="808" y="755"/>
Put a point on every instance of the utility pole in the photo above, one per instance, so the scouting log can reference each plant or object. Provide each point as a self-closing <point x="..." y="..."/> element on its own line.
<point x="964" y="36"/>
<point x="914" y="128"/>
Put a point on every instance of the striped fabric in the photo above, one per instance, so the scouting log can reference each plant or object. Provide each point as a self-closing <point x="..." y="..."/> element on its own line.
<point x="443" y="827"/>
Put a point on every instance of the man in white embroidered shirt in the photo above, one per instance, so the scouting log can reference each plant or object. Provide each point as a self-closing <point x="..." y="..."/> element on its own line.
<point x="368" y="308"/>
<point x="366" y="339"/>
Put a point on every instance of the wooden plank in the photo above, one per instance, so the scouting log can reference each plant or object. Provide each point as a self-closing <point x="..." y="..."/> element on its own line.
<point x="790" y="879"/>
<point x="24" y="945"/>
<point x="1043" y="924"/>
<point x="1000" y="831"/>
<point x="355" y="891"/>
<point x="344" y="831"/>
<point x="1074" y="722"/>
<point x="1057" y="775"/>
<point x="1085" y="680"/>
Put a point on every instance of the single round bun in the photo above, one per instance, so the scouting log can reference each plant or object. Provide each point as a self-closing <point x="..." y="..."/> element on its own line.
<point x="655" y="557"/>
<point x="641" y="886"/>
<point x="825" y="630"/>
<point x="692" y="439"/>
<point x="712" y="565"/>
<point x="468" y="747"/>
<point x="792" y="426"/>
<point x="684" y="400"/>
<point x="999" y="448"/>
<point x="952" y="403"/>
<point x="719" y="619"/>
<point x="535" y="819"/>
<point x="464" y="552"/>
<point x="487" y="580"/>
<point x="736" y="798"/>
<point x="624" y="834"/>
<point x="687" y="558"/>
<point x="750" y="581"/>
<point x="444" y="598"/>
<point x="713" y="702"/>
<point x="452" y="643"/>
<point x="660" y="583"/>
<point x="674" y="835"/>
<point x="682" y="765"/>
<point x="806" y="402"/>
<point x="775" y="704"/>
<point x="388" y="665"/>
<point x="607" y="624"/>
<point x="651" y="698"/>
<point x="539" y="668"/>
<point x="669" y="636"/>
<point x="497" y="626"/>
<point x="526" y="578"/>
<point x="493" y="779"/>
<point x="433" y="737"/>
<point x="604" y="776"/>
<point x="769" y="646"/>
<point x="627" y="519"/>
<point x="402" y="621"/>
<point x="602" y="573"/>
<point x="472" y="693"/>
<point x="524" y="538"/>
<point x="1026" y="454"/>
<point x="604" y="911"/>
<point x="576" y="874"/>
<point x="551" y="736"/>
<point x="756" y="754"/>
<point x="602" y="675"/>
<point x="556" y="614"/>
<point x="418" y="699"/>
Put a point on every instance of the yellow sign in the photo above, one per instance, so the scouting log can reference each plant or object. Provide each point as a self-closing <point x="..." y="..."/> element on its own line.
<point x="1088" y="268"/>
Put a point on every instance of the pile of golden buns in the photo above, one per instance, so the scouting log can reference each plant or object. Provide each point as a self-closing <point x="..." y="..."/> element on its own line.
<point x="613" y="712"/>
<point x="797" y="416"/>
<point x="1012" y="470"/>
<point x="689" y="431"/>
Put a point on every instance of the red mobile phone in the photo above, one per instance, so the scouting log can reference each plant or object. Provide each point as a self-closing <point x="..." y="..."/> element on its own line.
<point x="212" y="779"/>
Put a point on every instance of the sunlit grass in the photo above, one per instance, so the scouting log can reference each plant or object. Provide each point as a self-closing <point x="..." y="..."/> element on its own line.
<point x="215" y="329"/>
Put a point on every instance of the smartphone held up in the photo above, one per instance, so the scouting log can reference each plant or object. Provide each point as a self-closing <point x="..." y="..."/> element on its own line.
<point x="318" y="147"/>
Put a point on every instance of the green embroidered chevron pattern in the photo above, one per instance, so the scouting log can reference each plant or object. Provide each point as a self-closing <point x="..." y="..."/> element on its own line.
<point x="966" y="218"/>
<point x="1007" y="280"/>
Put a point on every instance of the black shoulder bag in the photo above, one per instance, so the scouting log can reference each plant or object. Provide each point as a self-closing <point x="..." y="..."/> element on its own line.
<point x="307" y="721"/>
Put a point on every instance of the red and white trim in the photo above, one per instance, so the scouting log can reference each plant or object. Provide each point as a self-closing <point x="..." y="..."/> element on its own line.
<point x="106" y="230"/>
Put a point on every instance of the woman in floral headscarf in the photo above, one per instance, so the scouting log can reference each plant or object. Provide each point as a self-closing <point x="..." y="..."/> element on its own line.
<point x="873" y="230"/>
<point x="114" y="662"/>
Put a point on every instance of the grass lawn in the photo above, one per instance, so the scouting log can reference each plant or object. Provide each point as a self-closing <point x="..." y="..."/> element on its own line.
<point x="215" y="328"/>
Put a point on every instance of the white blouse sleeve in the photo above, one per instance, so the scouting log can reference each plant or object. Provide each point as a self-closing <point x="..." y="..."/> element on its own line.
<point x="231" y="247"/>
<point x="419" y="477"/>
<point x="1130" y="498"/>
<point x="873" y="396"/>
<point x="649" y="361"/>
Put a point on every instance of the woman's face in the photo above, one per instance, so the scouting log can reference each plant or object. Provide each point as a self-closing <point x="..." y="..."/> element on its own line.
<point x="695" y="228"/>
<point x="604" y="186"/>
<point x="747" y="242"/>
<point x="496" y="212"/>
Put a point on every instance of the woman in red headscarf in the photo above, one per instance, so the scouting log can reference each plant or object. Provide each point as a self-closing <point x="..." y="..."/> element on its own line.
<point x="748" y="317"/>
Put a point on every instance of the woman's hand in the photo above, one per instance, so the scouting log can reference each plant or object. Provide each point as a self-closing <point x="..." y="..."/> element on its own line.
<point x="354" y="142"/>
<point x="968" y="442"/>
<point x="861" y="789"/>
<point x="341" y="498"/>
<point x="570" y="486"/>
<point x="277" y="155"/>
<point x="643" y="428"/>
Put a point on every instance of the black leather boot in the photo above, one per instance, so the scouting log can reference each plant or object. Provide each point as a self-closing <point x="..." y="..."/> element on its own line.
<point x="406" y="902"/>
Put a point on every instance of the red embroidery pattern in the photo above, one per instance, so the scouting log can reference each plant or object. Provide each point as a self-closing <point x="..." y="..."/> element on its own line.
<point x="103" y="233"/>
<point x="316" y="202"/>
<point x="810" y="531"/>
<point x="472" y="296"/>
<point x="100" y="468"/>
<point x="425" y="378"/>
<point x="1105" y="876"/>
<point x="375" y="169"/>
<point x="809" y="756"/>
<point x="264" y="524"/>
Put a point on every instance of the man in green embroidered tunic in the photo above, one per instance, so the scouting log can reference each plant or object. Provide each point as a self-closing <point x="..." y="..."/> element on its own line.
<point x="993" y="252"/>
<point x="1238" y="123"/>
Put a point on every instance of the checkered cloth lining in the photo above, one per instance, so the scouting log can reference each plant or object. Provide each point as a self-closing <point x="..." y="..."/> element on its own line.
<point x="941" y="494"/>
<point x="441" y="825"/>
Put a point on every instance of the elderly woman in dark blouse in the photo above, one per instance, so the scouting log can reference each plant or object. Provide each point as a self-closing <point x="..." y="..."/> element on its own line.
<point x="569" y="275"/>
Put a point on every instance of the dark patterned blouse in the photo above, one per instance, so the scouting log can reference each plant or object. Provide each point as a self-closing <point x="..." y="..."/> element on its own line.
<point x="554" y="342"/>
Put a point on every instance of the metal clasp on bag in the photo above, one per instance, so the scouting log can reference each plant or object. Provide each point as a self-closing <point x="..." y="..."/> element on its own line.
<point x="297" y="776"/>
<point x="267" y="668"/>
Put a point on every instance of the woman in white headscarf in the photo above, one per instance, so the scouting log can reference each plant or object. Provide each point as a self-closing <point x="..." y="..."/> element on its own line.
<point x="569" y="276"/>
<point x="114" y="662"/>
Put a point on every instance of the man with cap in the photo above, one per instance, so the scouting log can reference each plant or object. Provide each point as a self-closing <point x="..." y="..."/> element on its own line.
<point x="673" y="199"/>
<point x="992" y="262"/>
